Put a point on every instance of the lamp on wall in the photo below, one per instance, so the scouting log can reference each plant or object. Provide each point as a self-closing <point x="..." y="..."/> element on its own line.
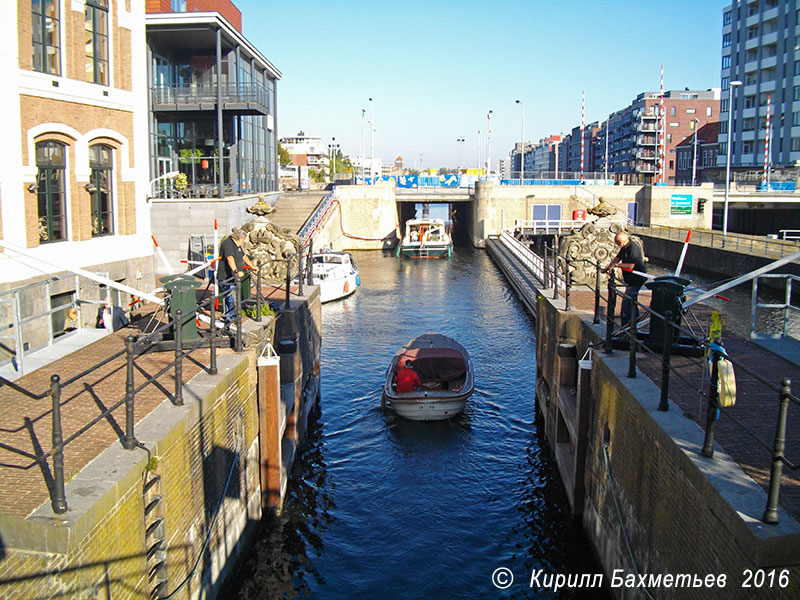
<point x="90" y="187"/>
<point x="33" y="188"/>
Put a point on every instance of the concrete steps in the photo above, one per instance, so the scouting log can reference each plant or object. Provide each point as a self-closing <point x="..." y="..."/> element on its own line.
<point x="293" y="210"/>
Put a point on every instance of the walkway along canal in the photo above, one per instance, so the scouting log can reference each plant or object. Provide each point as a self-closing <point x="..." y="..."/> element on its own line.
<point x="379" y="507"/>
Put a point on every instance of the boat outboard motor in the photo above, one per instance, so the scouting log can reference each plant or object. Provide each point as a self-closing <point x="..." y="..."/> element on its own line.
<point x="668" y="295"/>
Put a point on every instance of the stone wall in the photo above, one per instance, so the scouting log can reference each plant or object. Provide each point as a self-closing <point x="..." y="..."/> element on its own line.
<point x="99" y="547"/>
<point x="174" y="220"/>
<point x="499" y="206"/>
<point x="644" y="483"/>
<point x="367" y="214"/>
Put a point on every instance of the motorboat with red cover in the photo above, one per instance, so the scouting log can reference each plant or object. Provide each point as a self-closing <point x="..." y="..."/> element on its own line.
<point x="445" y="372"/>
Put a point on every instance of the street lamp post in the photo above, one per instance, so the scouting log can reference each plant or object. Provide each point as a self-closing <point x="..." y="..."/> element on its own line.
<point x="488" y="143"/>
<point x="733" y="84"/>
<point x="694" y="161"/>
<point x="522" y="159"/>
<point x="479" y="153"/>
<point x="361" y="166"/>
<point x="371" y="138"/>
<point x="332" y="148"/>
<point x="459" y="141"/>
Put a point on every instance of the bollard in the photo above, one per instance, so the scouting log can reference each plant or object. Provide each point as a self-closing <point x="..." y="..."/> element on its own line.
<point x="59" y="499"/>
<point x="212" y="333"/>
<point x="238" y="316"/>
<point x="666" y="354"/>
<point x="771" y="512"/>
<point x="177" y="400"/>
<point x="596" y="318"/>
<point x="711" y="413"/>
<point x="129" y="441"/>
<point x="258" y="291"/>
<point x="612" y="307"/>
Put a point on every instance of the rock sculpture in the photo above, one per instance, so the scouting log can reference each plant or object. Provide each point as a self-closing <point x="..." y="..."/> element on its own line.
<point x="592" y="243"/>
<point x="270" y="244"/>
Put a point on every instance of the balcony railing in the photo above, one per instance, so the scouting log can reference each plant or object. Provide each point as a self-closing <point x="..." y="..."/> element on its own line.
<point x="234" y="95"/>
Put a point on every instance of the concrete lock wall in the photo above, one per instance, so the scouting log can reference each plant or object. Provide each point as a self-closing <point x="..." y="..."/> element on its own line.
<point x="367" y="212"/>
<point x="174" y="220"/>
<point x="635" y="478"/>
<point x="99" y="547"/>
<point x="499" y="206"/>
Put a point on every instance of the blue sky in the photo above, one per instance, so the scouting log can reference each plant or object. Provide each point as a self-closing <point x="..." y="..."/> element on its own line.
<point x="435" y="68"/>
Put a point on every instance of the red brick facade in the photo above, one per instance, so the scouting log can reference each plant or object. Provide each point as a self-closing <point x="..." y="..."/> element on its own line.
<point x="224" y="7"/>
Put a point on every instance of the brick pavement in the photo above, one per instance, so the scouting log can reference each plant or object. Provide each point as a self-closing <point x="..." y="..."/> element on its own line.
<point x="756" y="406"/>
<point x="26" y="424"/>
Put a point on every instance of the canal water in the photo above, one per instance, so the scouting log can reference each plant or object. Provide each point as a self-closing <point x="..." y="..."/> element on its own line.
<point x="380" y="507"/>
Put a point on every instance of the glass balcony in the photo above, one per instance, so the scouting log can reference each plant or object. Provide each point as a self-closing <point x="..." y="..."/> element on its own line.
<point x="242" y="98"/>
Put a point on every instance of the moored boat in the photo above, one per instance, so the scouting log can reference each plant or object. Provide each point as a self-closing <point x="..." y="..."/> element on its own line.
<point x="426" y="238"/>
<point x="335" y="273"/>
<point x="445" y="375"/>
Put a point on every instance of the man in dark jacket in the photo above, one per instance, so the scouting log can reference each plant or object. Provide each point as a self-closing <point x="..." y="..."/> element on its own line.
<point x="111" y="317"/>
<point x="631" y="260"/>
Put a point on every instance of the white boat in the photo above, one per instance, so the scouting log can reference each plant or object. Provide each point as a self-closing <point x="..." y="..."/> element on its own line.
<point x="335" y="273"/>
<point x="445" y="372"/>
<point x="425" y="238"/>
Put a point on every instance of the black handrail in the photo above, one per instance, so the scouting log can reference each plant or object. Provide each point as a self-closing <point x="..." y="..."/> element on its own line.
<point x="671" y="329"/>
<point x="133" y="347"/>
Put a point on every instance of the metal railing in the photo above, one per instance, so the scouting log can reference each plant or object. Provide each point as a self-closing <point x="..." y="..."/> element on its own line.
<point x="307" y="230"/>
<point x="548" y="272"/>
<point x="748" y="244"/>
<point x="15" y="329"/>
<point x="240" y="93"/>
<point x="133" y="348"/>
<point x="786" y="306"/>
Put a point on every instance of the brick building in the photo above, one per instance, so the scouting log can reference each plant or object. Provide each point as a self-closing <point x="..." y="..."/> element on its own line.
<point x="74" y="178"/>
<point x="633" y="132"/>
<point x="696" y="156"/>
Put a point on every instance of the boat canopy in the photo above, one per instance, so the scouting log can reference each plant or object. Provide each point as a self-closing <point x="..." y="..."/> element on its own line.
<point x="434" y="364"/>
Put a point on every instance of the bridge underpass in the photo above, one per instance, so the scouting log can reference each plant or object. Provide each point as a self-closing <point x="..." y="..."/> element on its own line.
<point x="460" y="207"/>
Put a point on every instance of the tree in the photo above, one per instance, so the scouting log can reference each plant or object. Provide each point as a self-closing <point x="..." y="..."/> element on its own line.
<point x="284" y="158"/>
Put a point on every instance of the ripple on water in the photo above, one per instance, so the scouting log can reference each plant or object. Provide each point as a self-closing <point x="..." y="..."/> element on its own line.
<point x="381" y="507"/>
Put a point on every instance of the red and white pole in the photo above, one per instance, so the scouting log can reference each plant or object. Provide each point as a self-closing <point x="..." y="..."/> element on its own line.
<point x="663" y="126"/>
<point x="764" y="179"/>
<point x="583" y="124"/>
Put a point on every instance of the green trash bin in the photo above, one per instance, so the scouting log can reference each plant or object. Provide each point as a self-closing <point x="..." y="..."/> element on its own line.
<point x="667" y="296"/>
<point x="183" y="297"/>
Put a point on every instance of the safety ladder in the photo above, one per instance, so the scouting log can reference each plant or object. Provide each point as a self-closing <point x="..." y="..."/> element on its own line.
<point x="423" y="251"/>
<point x="154" y="514"/>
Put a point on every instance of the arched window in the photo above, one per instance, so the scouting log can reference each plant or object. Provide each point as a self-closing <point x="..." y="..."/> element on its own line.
<point x="101" y="187"/>
<point x="51" y="193"/>
<point x="96" y="45"/>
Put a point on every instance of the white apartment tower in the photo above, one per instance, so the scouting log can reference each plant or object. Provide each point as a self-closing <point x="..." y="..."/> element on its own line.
<point x="760" y="50"/>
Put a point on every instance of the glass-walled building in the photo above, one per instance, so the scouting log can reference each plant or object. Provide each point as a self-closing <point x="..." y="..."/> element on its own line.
<point x="212" y="108"/>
